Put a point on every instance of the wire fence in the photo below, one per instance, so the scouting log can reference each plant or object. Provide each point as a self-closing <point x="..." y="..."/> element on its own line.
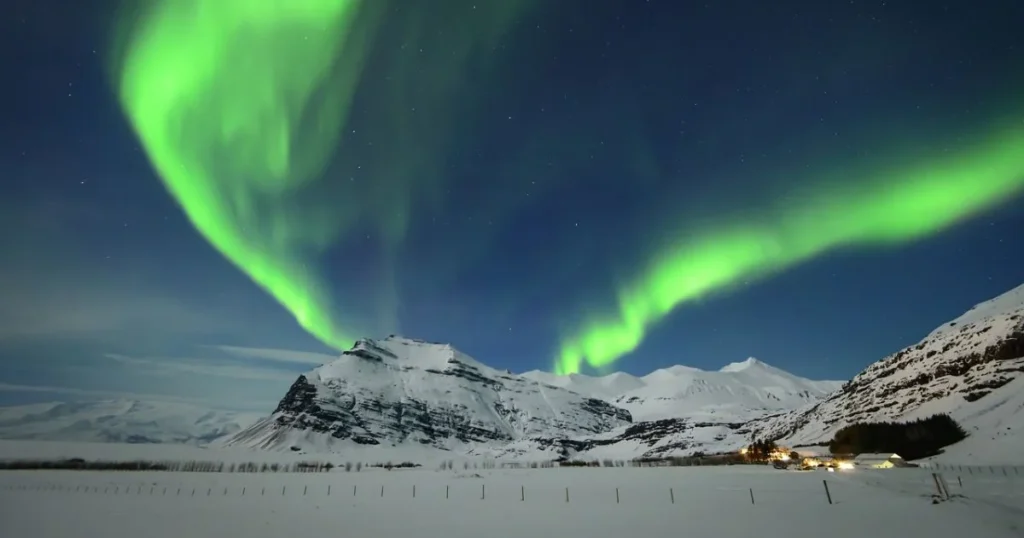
<point x="825" y="492"/>
<point x="1008" y="471"/>
<point x="997" y="485"/>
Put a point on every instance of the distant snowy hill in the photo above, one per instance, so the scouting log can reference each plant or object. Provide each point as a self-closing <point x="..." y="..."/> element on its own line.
<point x="120" y="421"/>
<point x="398" y="390"/>
<point x="740" y="391"/>
<point x="970" y="368"/>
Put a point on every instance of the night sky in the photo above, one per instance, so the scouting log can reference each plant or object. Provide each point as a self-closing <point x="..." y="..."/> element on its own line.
<point x="571" y="186"/>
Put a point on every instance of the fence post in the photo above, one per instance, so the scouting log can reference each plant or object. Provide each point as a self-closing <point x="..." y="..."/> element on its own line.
<point x="945" y="486"/>
<point x="938" y="486"/>
<point x="382" y="490"/>
<point x="482" y="492"/>
<point x="616" y="495"/>
<point x="828" y="494"/>
<point x="446" y="492"/>
<point x="522" y="493"/>
<point x="751" y="495"/>
<point x="243" y="491"/>
<point x="414" y="491"/>
<point x="208" y="490"/>
<point x="165" y="492"/>
<point x="304" y="488"/>
<point x="671" y="495"/>
<point x="566" y="494"/>
<point x="282" y="490"/>
<point x="193" y="492"/>
<point x="353" y="490"/>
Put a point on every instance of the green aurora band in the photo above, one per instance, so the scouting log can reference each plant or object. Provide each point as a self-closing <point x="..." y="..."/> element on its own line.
<point x="894" y="207"/>
<point x="217" y="91"/>
<point x="241" y="105"/>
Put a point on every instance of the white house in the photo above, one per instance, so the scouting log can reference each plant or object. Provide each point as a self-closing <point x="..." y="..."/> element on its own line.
<point x="879" y="461"/>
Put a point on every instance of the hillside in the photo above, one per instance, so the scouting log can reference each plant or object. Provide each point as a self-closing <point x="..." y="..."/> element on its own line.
<point x="969" y="368"/>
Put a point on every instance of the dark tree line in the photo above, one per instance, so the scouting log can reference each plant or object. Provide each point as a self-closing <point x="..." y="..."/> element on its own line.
<point x="911" y="440"/>
<point x="761" y="450"/>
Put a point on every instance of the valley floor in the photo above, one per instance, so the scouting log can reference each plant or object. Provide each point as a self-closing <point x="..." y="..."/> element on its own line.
<point x="601" y="502"/>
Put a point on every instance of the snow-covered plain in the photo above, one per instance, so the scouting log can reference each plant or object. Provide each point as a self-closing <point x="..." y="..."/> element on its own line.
<point x="602" y="502"/>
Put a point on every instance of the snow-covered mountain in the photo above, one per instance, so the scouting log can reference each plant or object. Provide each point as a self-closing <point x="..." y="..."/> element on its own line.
<point x="120" y="421"/>
<point x="397" y="390"/>
<point x="403" y="392"/>
<point x="970" y="368"/>
<point x="738" y="392"/>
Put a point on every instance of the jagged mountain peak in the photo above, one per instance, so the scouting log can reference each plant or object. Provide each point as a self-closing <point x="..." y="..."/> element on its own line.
<point x="409" y="352"/>
<point x="748" y="364"/>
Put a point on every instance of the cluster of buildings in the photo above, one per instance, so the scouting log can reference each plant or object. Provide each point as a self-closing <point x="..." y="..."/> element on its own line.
<point x="886" y="460"/>
<point x="783" y="458"/>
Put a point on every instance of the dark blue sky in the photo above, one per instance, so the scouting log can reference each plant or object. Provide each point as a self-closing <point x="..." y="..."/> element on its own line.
<point x="596" y="130"/>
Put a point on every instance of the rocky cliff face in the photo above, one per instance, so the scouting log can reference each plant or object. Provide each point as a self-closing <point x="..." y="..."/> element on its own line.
<point x="398" y="390"/>
<point x="962" y="362"/>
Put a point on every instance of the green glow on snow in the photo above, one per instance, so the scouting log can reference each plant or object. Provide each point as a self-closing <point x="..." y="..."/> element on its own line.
<point x="890" y="208"/>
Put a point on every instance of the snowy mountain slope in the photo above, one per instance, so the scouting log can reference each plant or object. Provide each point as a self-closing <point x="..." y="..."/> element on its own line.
<point x="398" y="390"/>
<point x="120" y="421"/>
<point x="967" y="368"/>
<point x="995" y="425"/>
<point x="738" y="392"/>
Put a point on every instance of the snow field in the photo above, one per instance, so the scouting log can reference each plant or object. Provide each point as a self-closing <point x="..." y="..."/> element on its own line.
<point x="652" y="502"/>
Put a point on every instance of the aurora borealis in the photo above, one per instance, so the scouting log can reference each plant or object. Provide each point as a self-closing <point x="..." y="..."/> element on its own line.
<point x="565" y="186"/>
<point x="896" y="206"/>
<point x="241" y="103"/>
